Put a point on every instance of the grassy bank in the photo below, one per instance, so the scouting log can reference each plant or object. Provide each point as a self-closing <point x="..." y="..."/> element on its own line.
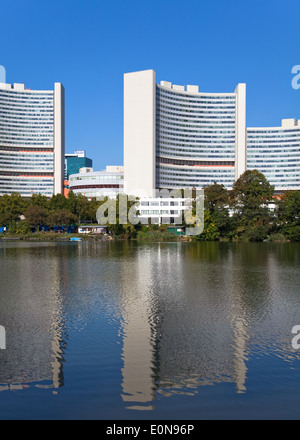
<point x="46" y="236"/>
<point x="141" y="236"/>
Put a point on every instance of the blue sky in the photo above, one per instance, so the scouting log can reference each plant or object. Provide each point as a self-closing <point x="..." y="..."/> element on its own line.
<point x="88" y="46"/>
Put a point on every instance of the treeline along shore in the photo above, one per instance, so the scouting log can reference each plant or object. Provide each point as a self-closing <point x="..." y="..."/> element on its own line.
<point x="250" y="211"/>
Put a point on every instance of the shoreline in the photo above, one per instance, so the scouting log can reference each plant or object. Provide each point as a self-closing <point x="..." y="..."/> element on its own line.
<point x="172" y="239"/>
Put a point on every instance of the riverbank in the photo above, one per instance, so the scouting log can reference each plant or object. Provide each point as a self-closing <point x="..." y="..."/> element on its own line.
<point x="49" y="236"/>
<point x="149" y="236"/>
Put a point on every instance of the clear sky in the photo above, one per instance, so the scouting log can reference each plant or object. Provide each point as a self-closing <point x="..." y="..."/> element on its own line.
<point x="88" y="46"/>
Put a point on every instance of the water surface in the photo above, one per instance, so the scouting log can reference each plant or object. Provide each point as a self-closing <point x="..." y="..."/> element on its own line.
<point x="149" y="331"/>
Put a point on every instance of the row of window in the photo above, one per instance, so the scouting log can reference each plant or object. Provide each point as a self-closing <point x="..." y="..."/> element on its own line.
<point x="169" y="134"/>
<point x="32" y="144"/>
<point x="196" y="153"/>
<point x="28" y="109"/>
<point x="272" y="136"/>
<point x="195" y="113"/>
<point x="272" y="164"/>
<point x="171" y="212"/>
<point x="169" y="128"/>
<point x="173" y="161"/>
<point x="196" y="109"/>
<point x="26" y="131"/>
<point x="26" y="93"/>
<point x="200" y="97"/>
<point x="162" y="203"/>
<point x="272" y="132"/>
<point x="276" y="154"/>
<point x="214" y="132"/>
<point x="96" y="178"/>
<point x="196" y="118"/>
<point x="15" y="105"/>
<point x="185" y="142"/>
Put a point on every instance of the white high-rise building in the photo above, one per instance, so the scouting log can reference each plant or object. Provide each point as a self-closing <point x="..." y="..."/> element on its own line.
<point x="178" y="137"/>
<point x="32" y="140"/>
<point x="275" y="152"/>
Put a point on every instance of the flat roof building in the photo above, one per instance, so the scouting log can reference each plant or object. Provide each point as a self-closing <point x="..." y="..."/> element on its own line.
<point x="32" y="140"/>
<point x="98" y="184"/>
<point x="75" y="161"/>
<point x="178" y="137"/>
<point x="275" y="152"/>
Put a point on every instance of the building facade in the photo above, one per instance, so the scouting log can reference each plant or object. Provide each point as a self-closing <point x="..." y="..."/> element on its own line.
<point x="98" y="184"/>
<point x="178" y="137"/>
<point x="32" y="140"/>
<point x="75" y="161"/>
<point x="275" y="152"/>
<point x="162" y="210"/>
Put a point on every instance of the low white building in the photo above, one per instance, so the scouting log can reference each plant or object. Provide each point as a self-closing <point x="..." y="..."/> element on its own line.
<point x="98" y="184"/>
<point x="162" y="210"/>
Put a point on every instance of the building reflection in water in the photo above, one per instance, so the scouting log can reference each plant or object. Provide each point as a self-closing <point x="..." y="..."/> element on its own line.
<point x="31" y="311"/>
<point x="189" y="314"/>
<point x="192" y="315"/>
<point x="138" y="333"/>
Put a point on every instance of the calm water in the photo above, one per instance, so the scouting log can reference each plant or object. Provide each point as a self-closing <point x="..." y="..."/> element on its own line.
<point x="149" y="331"/>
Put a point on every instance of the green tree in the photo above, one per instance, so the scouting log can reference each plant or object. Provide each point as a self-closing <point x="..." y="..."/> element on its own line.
<point x="58" y="202"/>
<point x="12" y="208"/>
<point x="210" y="231"/>
<point x="39" y="200"/>
<point x="82" y="209"/>
<point x="22" y="227"/>
<point x="251" y="193"/>
<point x="288" y="207"/>
<point x="61" y="217"/>
<point x="216" y="197"/>
<point x="216" y="201"/>
<point x="36" y="215"/>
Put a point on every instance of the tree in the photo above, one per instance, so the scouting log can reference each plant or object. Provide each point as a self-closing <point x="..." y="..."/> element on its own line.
<point x="11" y="208"/>
<point x="216" y="201"/>
<point x="58" y="202"/>
<point x="82" y="208"/>
<point x="36" y="215"/>
<point x="288" y="207"/>
<point x="216" y="197"/>
<point x="61" y="217"/>
<point x="22" y="227"/>
<point x="250" y="195"/>
<point x="210" y="231"/>
<point x="39" y="200"/>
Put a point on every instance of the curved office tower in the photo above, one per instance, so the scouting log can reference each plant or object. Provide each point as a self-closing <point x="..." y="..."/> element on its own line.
<point x="275" y="152"/>
<point x="31" y="140"/>
<point x="178" y="137"/>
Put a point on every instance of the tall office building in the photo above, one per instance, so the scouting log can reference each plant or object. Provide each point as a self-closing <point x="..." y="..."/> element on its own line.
<point x="32" y="140"/>
<point x="75" y="161"/>
<point x="275" y="152"/>
<point x="178" y="137"/>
